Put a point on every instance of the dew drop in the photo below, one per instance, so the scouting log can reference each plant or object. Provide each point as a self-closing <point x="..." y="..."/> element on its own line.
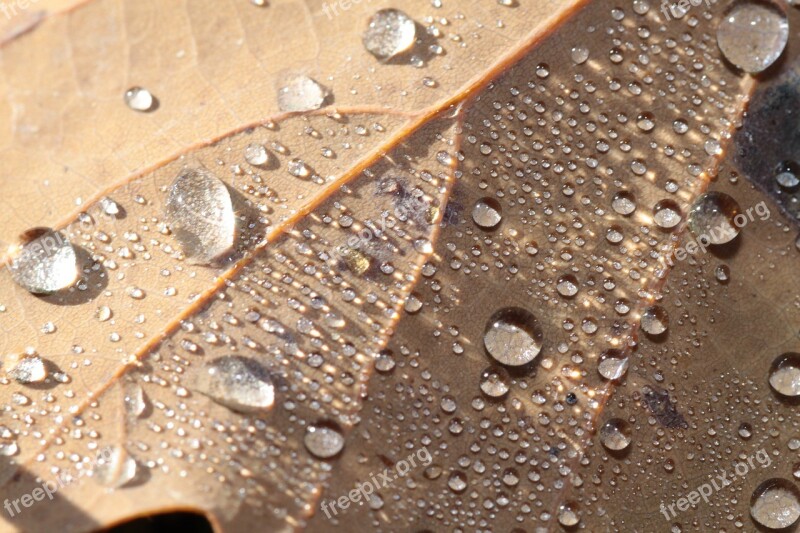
<point x="457" y="482"/>
<point x="568" y="514"/>
<point x="655" y="320"/>
<point x="513" y="336"/>
<point x="787" y="175"/>
<point x="200" y="213"/>
<point x="775" y="504"/>
<point x="623" y="203"/>
<point x="615" y="435"/>
<point x="390" y="33"/>
<point x="238" y="383"/>
<point x="301" y="93"/>
<point x="115" y="467"/>
<point x="667" y="214"/>
<point x="46" y="264"/>
<point x="579" y="54"/>
<point x="784" y="374"/>
<point x="27" y="369"/>
<point x="567" y="286"/>
<point x="712" y="217"/>
<point x="487" y="213"/>
<point x="139" y="99"/>
<point x="495" y="381"/>
<point x="324" y="440"/>
<point x="256" y="155"/>
<point x="753" y="34"/>
<point x="613" y="364"/>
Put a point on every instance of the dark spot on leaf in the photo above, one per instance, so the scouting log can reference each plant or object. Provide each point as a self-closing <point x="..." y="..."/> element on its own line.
<point x="662" y="408"/>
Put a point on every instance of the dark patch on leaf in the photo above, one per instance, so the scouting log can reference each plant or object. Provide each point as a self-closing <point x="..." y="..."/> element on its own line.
<point x="662" y="408"/>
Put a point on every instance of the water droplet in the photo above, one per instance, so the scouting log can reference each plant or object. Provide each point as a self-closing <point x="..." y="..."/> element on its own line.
<point x="667" y="214"/>
<point x="788" y="175"/>
<point x="624" y="203"/>
<point x="26" y="368"/>
<point x="487" y="213"/>
<point x="784" y="374"/>
<point x="712" y="217"/>
<point x="200" y="213"/>
<point x="615" y="435"/>
<point x="655" y="320"/>
<point x="390" y="33"/>
<point x="298" y="168"/>
<point x="301" y="94"/>
<point x="775" y="504"/>
<point x="324" y="440"/>
<point x="567" y="286"/>
<point x="495" y="381"/>
<point x="613" y="364"/>
<point x="238" y="383"/>
<point x="139" y="99"/>
<point x="568" y="514"/>
<point x="579" y="54"/>
<point x="114" y="467"/>
<point x="646" y="121"/>
<point x="256" y="155"/>
<point x="457" y="482"/>
<point x="753" y="34"/>
<point x="513" y="336"/>
<point x="46" y="264"/>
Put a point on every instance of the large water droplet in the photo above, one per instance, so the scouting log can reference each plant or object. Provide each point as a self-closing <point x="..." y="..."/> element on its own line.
<point x="753" y="34"/>
<point x="46" y="264"/>
<point x="513" y="336"/>
<point x="713" y="216"/>
<point x="238" y="383"/>
<point x="487" y="213"/>
<point x="613" y="364"/>
<point x="114" y="467"/>
<point x="200" y="213"/>
<point x="324" y="440"/>
<point x="27" y="368"/>
<point x="568" y="514"/>
<point x="655" y="320"/>
<point x="390" y="33"/>
<point x="775" y="504"/>
<point x="615" y="434"/>
<point x="301" y="94"/>
<point x="784" y="374"/>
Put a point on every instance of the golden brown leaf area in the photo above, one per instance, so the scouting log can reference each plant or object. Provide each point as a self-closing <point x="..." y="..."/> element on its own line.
<point x="493" y="102"/>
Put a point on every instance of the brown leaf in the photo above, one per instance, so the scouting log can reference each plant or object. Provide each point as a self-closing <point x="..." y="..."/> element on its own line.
<point x="483" y="170"/>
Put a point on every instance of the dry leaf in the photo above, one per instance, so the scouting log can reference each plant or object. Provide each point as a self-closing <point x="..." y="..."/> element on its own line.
<point x="302" y="264"/>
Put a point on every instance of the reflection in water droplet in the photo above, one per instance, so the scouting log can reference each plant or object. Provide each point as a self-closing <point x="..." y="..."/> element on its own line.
<point x="567" y="286"/>
<point x="495" y="381"/>
<point x="753" y="34"/>
<point x="46" y="264"/>
<point x="667" y="214"/>
<point x="787" y="175"/>
<point x="457" y="482"/>
<point x="301" y="94"/>
<point x="114" y="467"/>
<point x="613" y="364"/>
<point x="26" y="369"/>
<point x="655" y="320"/>
<point x="256" y="155"/>
<point x="139" y="99"/>
<point x="568" y="514"/>
<point x="487" y="213"/>
<point x="775" y="504"/>
<point x="579" y="54"/>
<point x="238" y="383"/>
<point x="624" y="203"/>
<point x="713" y="216"/>
<point x="513" y="336"/>
<point x="390" y="33"/>
<point x="324" y="440"/>
<point x="784" y="374"/>
<point x="615" y="434"/>
<point x="200" y="213"/>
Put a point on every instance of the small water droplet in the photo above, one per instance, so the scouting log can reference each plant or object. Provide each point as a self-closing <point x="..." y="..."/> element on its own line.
<point x="568" y="514"/>
<point x="712" y="218"/>
<point x="667" y="214"/>
<point x="139" y="99"/>
<point x="256" y="155"/>
<point x="324" y="440"/>
<point x="390" y="33"/>
<point x="655" y="320"/>
<point x="513" y="336"/>
<point x="301" y="93"/>
<point x="787" y="175"/>
<point x="114" y="467"/>
<point x="613" y="364"/>
<point x="487" y="213"/>
<point x="784" y="374"/>
<point x="495" y="381"/>
<point x="615" y="435"/>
